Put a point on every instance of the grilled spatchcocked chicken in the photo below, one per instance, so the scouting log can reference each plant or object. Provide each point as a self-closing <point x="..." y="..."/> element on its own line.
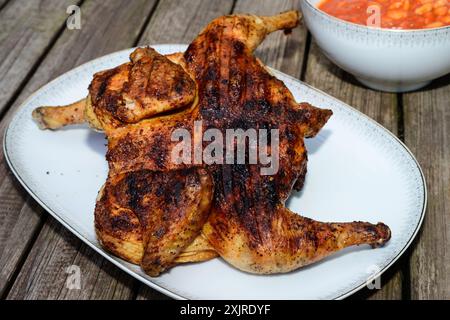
<point x="159" y="212"/>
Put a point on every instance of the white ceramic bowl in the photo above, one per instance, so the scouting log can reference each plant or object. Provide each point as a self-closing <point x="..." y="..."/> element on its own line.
<point x="383" y="59"/>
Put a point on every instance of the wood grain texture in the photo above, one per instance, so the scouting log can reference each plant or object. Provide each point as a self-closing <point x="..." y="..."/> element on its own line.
<point x="19" y="220"/>
<point x="3" y="3"/>
<point x="27" y="28"/>
<point x="49" y="270"/>
<point x="279" y="51"/>
<point x="178" y="22"/>
<point x="382" y="107"/>
<point x="102" y="32"/>
<point x="427" y="134"/>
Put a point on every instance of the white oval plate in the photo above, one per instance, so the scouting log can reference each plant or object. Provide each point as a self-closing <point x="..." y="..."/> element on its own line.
<point x="357" y="170"/>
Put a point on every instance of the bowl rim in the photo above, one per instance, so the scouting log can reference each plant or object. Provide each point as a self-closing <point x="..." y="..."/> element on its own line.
<point x="363" y="27"/>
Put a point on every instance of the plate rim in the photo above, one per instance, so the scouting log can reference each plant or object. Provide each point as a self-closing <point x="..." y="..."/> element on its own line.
<point x="117" y="261"/>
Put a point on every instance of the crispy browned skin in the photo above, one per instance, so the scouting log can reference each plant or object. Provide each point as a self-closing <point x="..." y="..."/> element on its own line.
<point x="148" y="85"/>
<point x="151" y="217"/>
<point x="249" y="225"/>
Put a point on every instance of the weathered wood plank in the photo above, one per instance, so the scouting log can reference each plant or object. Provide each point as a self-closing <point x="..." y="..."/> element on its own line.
<point x="278" y="51"/>
<point x="144" y="292"/>
<point x="179" y="22"/>
<point x="324" y="75"/>
<point x="427" y="134"/>
<point x="52" y="268"/>
<point x="19" y="220"/>
<point x="103" y="31"/>
<point x="27" y="28"/>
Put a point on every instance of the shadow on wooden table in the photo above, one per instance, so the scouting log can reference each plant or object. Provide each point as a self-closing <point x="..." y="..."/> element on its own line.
<point x="347" y="77"/>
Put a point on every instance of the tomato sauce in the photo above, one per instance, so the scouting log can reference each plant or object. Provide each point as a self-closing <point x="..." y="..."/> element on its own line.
<point x="392" y="14"/>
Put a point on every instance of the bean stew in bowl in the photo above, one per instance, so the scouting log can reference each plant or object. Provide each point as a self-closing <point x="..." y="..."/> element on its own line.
<point x="393" y="14"/>
<point x="388" y="45"/>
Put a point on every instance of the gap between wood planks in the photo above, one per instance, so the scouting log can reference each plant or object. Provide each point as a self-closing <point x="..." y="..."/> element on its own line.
<point x="147" y="21"/>
<point x="305" y="56"/>
<point x="3" y="4"/>
<point x="34" y="67"/>
<point x="405" y="260"/>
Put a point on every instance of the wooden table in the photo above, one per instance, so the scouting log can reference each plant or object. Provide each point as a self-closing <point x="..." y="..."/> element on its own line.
<point x="36" y="46"/>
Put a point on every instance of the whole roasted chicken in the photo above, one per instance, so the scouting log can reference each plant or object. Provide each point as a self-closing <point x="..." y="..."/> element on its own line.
<point x="158" y="212"/>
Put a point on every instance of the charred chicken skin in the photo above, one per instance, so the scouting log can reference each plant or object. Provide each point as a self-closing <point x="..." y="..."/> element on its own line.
<point x="158" y="212"/>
